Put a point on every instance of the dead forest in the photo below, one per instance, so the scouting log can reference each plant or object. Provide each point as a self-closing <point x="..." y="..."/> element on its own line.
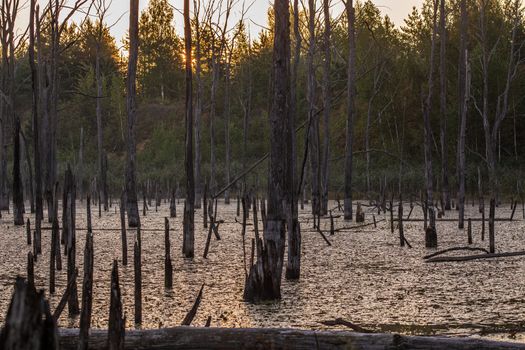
<point x="322" y="148"/>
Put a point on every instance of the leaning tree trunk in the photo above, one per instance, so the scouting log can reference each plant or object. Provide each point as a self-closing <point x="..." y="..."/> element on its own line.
<point x="350" y="12"/>
<point x="131" y="191"/>
<point x="327" y="97"/>
<point x="188" y="231"/>
<point x="464" y="97"/>
<point x="445" y="186"/>
<point x="264" y="279"/>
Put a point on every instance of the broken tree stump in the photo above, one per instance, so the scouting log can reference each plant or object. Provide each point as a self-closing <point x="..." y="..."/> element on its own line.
<point x="28" y="324"/>
<point x="114" y="337"/>
<point x="168" y="268"/>
<point x="87" y="290"/>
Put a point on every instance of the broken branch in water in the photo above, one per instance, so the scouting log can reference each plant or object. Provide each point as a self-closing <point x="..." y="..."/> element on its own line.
<point x="342" y="322"/>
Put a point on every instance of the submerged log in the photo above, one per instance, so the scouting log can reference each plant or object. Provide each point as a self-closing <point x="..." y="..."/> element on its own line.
<point x="263" y="338"/>
<point x="475" y="257"/>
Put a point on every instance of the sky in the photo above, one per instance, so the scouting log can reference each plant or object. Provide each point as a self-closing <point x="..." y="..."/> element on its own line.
<point x="397" y="10"/>
<point x="118" y="14"/>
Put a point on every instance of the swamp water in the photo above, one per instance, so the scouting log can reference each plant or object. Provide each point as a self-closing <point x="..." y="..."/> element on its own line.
<point x="363" y="277"/>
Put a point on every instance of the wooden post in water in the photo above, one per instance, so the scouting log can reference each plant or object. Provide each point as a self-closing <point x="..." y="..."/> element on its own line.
<point x="483" y="225"/>
<point x="469" y="231"/>
<point x="138" y="278"/>
<point x="168" y="268"/>
<point x="38" y="236"/>
<point x="205" y="205"/>
<point x="52" y="260"/>
<point x="391" y="216"/>
<point x="28" y="231"/>
<point x="238" y="205"/>
<point x="332" y="229"/>
<point x="173" y="204"/>
<point x="116" y="325"/>
<point x="400" y="224"/>
<point x="123" y="232"/>
<point x="492" y="238"/>
<point x="255" y="218"/>
<point x="30" y="269"/>
<point x="87" y="287"/>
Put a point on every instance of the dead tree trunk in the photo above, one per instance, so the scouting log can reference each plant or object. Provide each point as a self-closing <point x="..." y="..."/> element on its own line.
<point x="188" y="230"/>
<point x="350" y="12"/>
<point x="116" y="325"/>
<point x="102" y="176"/>
<point x="131" y="191"/>
<point x="264" y="279"/>
<point x="293" y="266"/>
<point x="34" y="13"/>
<point x="464" y="97"/>
<point x="87" y="291"/>
<point x="327" y="106"/>
<point x="198" y="106"/>
<point x="313" y="130"/>
<point x="430" y="239"/>
<point x="443" y="104"/>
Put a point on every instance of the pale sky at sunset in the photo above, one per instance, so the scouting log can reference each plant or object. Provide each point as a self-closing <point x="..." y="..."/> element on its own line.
<point x="396" y="9"/>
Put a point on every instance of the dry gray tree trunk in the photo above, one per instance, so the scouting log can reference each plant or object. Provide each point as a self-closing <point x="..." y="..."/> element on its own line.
<point x="188" y="230"/>
<point x="445" y="186"/>
<point x="4" y="37"/>
<point x="313" y="130"/>
<point x="350" y="12"/>
<point x="198" y="105"/>
<point x="492" y="127"/>
<point x="293" y="266"/>
<point x="101" y="9"/>
<point x="264" y="279"/>
<point x="427" y="108"/>
<point x="131" y="191"/>
<point x="9" y="15"/>
<point x="327" y="107"/>
<point x="464" y="96"/>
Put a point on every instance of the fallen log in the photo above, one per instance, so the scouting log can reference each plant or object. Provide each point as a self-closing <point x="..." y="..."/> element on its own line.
<point x="474" y="257"/>
<point x="263" y="338"/>
<point x="441" y="252"/>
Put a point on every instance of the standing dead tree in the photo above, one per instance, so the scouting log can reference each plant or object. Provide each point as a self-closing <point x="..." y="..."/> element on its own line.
<point x="293" y="266"/>
<point x="34" y="16"/>
<point x="264" y="279"/>
<point x="131" y="104"/>
<point x="430" y="236"/>
<point x="351" y="92"/>
<point x="8" y="21"/>
<point x="101" y="9"/>
<point x="445" y="186"/>
<point x="492" y="128"/>
<point x="188" y="231"/>
<point x="313" y="117"/>
<point x="327" y="100"/>
<point x="464" y="96"/>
